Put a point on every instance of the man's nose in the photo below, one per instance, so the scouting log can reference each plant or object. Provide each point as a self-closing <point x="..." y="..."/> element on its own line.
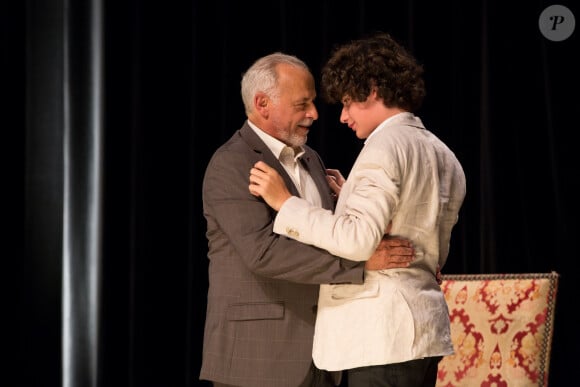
<point x="313" y="112"/>
<point x="343" y="116"/>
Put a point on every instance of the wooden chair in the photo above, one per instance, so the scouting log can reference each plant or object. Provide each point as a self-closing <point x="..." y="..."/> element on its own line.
<point x="501" y="327"/>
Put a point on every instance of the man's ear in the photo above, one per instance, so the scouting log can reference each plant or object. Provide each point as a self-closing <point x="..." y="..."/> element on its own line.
<point x="261" y="104"/>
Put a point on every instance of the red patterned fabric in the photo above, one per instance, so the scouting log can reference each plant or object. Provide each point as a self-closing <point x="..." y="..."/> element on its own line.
<point x="501" y="327"/>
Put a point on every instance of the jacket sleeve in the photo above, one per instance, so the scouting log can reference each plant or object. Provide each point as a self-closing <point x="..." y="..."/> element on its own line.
<point x="365" y="207"/>
<point x="242" y="224"/>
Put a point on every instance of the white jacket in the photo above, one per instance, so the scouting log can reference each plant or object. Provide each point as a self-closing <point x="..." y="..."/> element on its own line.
<point x="406" y="175"/>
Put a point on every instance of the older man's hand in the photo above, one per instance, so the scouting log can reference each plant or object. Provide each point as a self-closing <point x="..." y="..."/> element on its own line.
<point x="392" y="253"/>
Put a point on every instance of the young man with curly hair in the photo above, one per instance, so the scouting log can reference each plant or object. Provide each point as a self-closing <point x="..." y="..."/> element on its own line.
<point x="393" y="330"/>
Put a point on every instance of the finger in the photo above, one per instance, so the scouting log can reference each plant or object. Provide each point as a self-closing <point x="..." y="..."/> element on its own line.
<point x="253" y="190"/>
<point x="331" y="182"/>
<point x="400" y="259"/>
<point x="397" y="249"/>
<point x="255" y="176"/>
<point x="333" y="185"/>
<point x="394" y="265"/>
<point x="256" y="172"/>
<point x="402" y="250"/>
<point x="332" y="172"/>
<point x="392" y="243"/>
<point x="262" y="166"/>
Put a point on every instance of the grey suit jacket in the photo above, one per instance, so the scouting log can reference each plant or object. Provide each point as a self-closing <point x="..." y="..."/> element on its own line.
<point x="263" y="288"/>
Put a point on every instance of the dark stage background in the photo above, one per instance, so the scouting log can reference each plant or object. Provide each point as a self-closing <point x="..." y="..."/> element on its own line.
<point x="155" y="85"/>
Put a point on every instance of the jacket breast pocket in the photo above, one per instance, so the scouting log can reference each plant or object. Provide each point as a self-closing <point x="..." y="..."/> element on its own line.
<point x="351" y="292"/>
<point x="256" y="311"/>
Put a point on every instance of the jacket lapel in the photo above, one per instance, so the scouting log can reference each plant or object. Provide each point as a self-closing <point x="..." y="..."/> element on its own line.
<point x="313" y="164"/>
<point x="265" y="154"/>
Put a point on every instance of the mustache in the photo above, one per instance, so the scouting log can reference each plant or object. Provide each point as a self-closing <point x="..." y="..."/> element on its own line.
<point x="307" y="123"/>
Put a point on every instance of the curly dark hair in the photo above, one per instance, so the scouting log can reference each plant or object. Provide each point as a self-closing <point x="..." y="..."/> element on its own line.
<point x="377" y="61"/>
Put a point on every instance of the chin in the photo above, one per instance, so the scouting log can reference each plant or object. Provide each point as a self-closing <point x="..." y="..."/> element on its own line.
<point x="298" y="141"/>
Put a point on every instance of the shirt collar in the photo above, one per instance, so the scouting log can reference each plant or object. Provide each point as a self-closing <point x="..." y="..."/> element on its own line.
<point x="390" y="120"/>
<point x="275" y="145"/>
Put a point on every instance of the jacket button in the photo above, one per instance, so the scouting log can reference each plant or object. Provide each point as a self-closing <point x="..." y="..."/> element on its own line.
<point x="292" y="232"/>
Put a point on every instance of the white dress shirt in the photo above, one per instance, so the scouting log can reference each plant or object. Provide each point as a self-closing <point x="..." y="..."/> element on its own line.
<point x="289" y="158"/>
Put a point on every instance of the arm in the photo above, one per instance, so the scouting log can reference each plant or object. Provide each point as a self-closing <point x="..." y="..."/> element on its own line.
<point x="239" y="224"/>
<point x="266" y="182"/>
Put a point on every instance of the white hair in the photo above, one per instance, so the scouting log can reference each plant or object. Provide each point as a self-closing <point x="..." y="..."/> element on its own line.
<point x="263" y="77"/>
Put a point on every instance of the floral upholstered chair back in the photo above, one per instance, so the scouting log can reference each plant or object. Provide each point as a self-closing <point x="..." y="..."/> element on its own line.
<point x="501" y="327"/>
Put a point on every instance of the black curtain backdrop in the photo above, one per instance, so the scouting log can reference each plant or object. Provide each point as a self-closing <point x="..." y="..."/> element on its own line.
<point x="502" y="96"/>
